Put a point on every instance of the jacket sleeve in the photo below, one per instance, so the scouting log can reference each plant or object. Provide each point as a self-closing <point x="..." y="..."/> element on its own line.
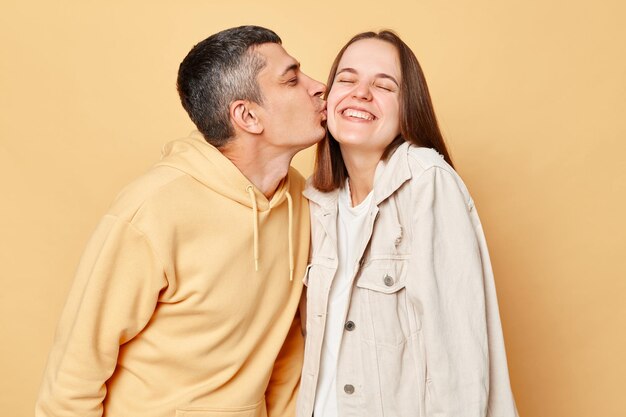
<point x="454" y="292"/>
<point x="283" y="386"/>
<point x="113" y="296"/>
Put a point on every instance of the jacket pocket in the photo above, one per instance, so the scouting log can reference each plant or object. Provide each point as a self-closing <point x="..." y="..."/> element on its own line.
<point x="383" y="275"/>
<point x="318" y="277"/>
<point x="305" y="279"/>
<point x="256" y="410"/>
<point x="381" y="284"/>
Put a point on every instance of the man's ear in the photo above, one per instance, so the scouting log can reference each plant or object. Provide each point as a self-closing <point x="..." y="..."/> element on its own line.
<point x="243" y="114"/>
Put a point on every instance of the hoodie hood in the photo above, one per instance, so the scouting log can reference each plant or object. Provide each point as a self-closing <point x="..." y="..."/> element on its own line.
<point x="204" y="162"/>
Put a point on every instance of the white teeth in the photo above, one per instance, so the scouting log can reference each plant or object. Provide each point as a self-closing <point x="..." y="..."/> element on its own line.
<point x="358" y="114"/>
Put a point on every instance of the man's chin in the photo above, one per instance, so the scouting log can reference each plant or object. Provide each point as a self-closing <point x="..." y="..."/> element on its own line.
<point x="320" y="137"/>
<point x="315" y="140"/>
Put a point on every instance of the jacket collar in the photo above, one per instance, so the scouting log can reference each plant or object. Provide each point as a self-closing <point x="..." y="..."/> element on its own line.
<point x="325" y="200"/>
<point x="390" y="175"/>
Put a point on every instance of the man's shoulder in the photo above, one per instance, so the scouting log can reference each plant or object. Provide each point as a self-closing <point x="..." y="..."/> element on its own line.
<point x="144" y="189"/>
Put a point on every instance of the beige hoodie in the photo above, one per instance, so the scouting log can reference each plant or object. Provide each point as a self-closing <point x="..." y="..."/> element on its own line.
<point x="169" y="315"/>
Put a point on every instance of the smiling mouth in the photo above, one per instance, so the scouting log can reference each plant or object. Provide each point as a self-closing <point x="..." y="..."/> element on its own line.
<point x="358" y="114"/>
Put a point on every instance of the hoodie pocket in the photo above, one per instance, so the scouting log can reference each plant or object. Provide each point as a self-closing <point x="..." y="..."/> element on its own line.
<point x="256" y="410"/>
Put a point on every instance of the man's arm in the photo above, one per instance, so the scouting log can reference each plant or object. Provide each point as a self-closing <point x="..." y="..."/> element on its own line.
<point x="282" y="389"/>
<point x="112" y="298"/>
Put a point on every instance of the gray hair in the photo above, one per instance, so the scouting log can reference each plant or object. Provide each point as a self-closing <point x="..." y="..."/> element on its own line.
<point x="219" y="70"/>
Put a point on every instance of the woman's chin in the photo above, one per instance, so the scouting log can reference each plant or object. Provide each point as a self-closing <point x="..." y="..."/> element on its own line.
<point x="353" y="142"/>
<point x="362" y="143"/>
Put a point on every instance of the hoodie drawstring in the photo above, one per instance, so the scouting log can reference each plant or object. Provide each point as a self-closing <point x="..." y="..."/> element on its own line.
<point x="290" y="238"/>
<point x="255" y="222"/>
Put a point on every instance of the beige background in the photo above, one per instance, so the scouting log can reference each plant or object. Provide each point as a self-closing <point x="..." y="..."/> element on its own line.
<point x="531" y="96"/>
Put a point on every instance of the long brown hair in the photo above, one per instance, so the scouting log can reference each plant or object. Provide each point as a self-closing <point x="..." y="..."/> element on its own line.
<point x="418" y="124"/>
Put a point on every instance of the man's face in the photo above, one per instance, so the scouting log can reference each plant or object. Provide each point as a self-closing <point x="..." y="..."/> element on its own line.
<point x="293" y="110"/>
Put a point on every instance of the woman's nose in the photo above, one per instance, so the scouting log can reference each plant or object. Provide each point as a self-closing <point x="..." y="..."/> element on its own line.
<point x="362" y="92"/>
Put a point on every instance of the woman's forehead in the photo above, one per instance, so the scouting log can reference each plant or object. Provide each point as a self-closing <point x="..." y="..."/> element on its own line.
<point x="371" y="55"/>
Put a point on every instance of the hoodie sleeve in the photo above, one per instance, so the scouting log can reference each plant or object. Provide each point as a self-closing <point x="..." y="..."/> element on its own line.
<point x="453" y="289"/>
<point x="282" y="389"/>
<point x="112" y="298"/>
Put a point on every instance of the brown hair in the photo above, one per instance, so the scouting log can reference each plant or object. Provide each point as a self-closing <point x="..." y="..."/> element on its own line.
<point x="418" y="124"/>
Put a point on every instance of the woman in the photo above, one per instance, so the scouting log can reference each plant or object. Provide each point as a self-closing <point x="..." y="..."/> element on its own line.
<point x="402" y="317"/>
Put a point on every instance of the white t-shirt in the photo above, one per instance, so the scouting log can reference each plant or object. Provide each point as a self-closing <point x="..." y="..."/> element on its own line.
<point x="349" y="221"/>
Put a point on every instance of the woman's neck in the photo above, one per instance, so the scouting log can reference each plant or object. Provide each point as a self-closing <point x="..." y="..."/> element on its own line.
<point x="361" y="170"/>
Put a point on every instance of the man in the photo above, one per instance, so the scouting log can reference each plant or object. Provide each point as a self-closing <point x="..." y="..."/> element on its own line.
<point x="185" y="301"/>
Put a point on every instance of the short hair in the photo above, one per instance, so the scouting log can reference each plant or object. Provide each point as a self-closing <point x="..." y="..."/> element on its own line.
<point x="418" y="123"/>
<point x="219" y="70"/>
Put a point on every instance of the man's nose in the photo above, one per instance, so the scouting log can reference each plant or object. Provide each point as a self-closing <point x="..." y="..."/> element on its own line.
<point x="316" y="88"/>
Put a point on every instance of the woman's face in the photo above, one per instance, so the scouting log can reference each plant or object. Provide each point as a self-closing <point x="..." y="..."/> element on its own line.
<point x="364" y="99"/>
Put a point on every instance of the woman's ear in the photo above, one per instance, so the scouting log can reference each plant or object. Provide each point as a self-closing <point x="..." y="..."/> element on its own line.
<point x="243" y="115"/>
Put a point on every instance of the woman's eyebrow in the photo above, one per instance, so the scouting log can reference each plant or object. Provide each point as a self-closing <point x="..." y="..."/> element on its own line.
<point x="379" y="75"/>
<point x="387" y="76"/>
<point x="350" y="70"/>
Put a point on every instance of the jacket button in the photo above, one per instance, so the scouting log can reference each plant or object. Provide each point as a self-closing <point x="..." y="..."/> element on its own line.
<point x="349" y="326"/>
<point x="388" y="280"/>
<point x="348" y="389"/>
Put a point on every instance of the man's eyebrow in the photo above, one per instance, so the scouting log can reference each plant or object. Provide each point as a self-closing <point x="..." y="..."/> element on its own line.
<point x="292" y="67"/>
<point x="379" y="75"/>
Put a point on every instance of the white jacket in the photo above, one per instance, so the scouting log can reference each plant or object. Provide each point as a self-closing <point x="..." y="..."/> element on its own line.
<point x="422" y="334"/>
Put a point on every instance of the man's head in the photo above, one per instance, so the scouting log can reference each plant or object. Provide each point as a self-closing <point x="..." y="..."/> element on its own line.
<point x="242" y="80"/>
<point x="218" y="71"/>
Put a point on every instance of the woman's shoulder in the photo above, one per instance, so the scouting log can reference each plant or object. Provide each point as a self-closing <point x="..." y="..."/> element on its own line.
<point x="317" y="197"/>
<point x="428" y="166"/>
<point x="427" y="158"/>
